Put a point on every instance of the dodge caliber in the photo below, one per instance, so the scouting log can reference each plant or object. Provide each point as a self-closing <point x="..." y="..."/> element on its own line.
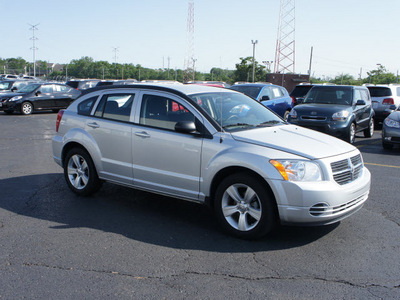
<point x="212" y="146"/>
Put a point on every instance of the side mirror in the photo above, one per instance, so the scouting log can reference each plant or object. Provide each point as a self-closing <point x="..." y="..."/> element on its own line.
<point x="360" y="102"/>
<point x="14" y="89"/>
<point x="265" y="98"/>
<point x="38" y="93"/>
<point x="185" y="127"/>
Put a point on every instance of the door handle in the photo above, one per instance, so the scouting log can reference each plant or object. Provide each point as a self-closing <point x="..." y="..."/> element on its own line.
<point x="93" y="125"/>
<point x="142" y="134"/>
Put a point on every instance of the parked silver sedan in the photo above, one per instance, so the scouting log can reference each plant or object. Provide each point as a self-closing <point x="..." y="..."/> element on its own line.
<point x="212" y="146"/>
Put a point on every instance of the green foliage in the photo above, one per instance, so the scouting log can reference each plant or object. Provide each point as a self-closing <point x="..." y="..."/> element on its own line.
<point x="380" y="76"/>
<point x="244" y="70"/>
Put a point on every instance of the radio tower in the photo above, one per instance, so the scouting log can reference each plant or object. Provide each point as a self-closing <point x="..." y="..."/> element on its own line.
<point x="189" y="72"/>
<point x="34" y="39"/>
<point x="285" y="45"/>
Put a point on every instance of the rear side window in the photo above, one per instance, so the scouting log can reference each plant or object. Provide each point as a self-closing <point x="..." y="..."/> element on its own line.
<point x="85" y="107"/>
<point x="380" y="91"/>
<point x="115" y="107"/>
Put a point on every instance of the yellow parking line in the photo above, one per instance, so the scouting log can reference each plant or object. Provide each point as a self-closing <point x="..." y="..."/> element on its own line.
<point x="372" y="143"/>
<point x="379" y="165"/>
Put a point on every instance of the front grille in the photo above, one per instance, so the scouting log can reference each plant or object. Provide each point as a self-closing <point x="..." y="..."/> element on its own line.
<point x="347" y="170"/>
<point x="313" y="118"/>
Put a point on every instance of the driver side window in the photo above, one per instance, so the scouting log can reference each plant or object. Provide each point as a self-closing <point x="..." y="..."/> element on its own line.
<point x="162" y="112"/>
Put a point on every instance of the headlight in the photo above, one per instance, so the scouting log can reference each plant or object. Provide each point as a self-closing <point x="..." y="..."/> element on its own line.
<point x="15" y="98"/>
<point x="340" y="115"/>
<point x="392" y="123"/>
<point x="298" y="170"/>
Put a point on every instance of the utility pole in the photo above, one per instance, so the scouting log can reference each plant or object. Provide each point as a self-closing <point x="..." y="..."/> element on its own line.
<point x="34" y="39"/>
<point x="254" y="52"/>
<point x="309" y="68"/>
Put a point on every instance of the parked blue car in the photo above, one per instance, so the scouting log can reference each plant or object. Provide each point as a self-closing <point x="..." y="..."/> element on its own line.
<point x="275" y="97"/>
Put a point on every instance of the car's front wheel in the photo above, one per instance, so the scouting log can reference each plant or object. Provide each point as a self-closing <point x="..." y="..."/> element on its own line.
<point x="80" y="172"/>
<point x="244" y="206"/>
<point x="351" y="135"/>
<point x="369" y="132"/>
<point x="26" y="108"/>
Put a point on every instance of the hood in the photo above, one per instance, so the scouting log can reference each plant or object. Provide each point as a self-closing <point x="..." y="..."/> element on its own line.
<point x="395" y="116"/>
<point x="10" y="94"/>
<point x="295" y="140"/>
<point x="320" y="109"/>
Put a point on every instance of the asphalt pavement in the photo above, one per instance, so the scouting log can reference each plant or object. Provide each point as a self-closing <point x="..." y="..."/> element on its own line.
<point x="126" y="244"/>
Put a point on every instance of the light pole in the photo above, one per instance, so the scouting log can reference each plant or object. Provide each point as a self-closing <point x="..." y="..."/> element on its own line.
<point x="268" y="64"/>
<point x="254" y="52"/>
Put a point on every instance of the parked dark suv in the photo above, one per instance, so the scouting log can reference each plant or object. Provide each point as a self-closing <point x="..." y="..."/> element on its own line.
<point x="340" y="111"/>
<point x="38" y="96"/>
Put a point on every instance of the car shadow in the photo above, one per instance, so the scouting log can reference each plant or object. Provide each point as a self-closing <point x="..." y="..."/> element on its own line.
<point x="138" y="215"/>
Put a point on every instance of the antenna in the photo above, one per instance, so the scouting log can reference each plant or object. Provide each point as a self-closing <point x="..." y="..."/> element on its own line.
<point x="34" y="39"/>
<point x="115" y="50"/>
<point x="188" y="72"/>
<point x="285" y="43"/>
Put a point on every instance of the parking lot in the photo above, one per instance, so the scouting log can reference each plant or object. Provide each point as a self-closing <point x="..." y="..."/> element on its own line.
<point x="122" y="243"/>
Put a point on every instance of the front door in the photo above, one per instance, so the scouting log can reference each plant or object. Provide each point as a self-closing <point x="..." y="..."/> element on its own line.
<point x="164" y="160"/>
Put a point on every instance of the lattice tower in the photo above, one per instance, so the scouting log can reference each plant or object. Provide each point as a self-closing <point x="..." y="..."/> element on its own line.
<point x="285" y="43"/>
<point x="188" y="70"/>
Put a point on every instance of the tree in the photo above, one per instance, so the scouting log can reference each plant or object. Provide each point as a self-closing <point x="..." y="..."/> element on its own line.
<point x="380" y="76"/>
<point x="244" y="70"/>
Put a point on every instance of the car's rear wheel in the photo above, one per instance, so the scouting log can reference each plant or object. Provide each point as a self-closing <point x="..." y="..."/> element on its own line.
<point x="26" y="108"/>
<point x="244" y="206"/>
<point x="351" y="135"/>
<point x="369" y="132"/>
<point x="80" y="172"/>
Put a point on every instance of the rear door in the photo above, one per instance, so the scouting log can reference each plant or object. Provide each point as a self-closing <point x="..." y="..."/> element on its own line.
<point x="111" y="129"/>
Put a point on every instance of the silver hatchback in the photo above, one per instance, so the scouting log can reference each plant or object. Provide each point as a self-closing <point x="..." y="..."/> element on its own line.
<point x="212" y="146"/>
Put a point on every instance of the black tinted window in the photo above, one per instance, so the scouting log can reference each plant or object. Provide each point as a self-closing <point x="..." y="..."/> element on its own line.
<point x="379" y="91"/>
<point x="85" y="107"/>
<point x="300" y="91"/>
<point x="251" y="91"/>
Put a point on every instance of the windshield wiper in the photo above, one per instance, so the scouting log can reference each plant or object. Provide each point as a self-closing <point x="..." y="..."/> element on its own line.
<point x="269" y="123"/>
<point x="237" y="125"/>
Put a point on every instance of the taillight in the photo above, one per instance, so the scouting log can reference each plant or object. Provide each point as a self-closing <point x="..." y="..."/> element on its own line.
<point x="294" y="101"/>
<point x="59" y="117"/>
<point x="388" y="101"/>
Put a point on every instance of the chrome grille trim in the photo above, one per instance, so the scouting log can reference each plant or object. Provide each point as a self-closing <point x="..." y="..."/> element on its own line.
<point x="347" y="170"/>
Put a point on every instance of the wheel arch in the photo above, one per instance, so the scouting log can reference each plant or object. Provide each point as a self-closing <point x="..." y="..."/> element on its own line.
<point x="70" y="146"/>
<point x="223" y="173"/>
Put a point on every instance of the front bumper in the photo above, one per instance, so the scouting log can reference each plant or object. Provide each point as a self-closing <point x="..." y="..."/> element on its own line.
<point x="390" y="135"/>
<point x="308" y="203"/>
<point x="336" y="129"/>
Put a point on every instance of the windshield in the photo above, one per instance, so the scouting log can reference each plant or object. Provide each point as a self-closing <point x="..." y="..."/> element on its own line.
<point x="29" y="88"/>
<point x="324" y="95"/>
<point x="234" y="111"/>
<point x="251" y="91"/>
<point x="5" y="85"/>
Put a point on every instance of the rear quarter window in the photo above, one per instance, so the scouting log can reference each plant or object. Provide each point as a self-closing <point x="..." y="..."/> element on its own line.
<point x="86" y="106"/>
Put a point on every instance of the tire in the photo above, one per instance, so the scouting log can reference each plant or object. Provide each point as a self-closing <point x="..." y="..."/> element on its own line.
<point x="369" y="132"/>
<point x="351" y="135"/>
<point x="26" y="108"/>
<point x="286" y="115"/>
<point x="245" y="207"/>
<point x="8" y="112"/>
<point x="80" y="173"/>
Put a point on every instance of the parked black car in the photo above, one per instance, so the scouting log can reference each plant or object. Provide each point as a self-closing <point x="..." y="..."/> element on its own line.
<point x="300" y="91"/>
<point x="340" y="111"/>
<point x="38" y="96"/>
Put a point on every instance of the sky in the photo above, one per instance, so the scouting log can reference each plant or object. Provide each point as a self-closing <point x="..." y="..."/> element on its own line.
<point x="347" y="36"/>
